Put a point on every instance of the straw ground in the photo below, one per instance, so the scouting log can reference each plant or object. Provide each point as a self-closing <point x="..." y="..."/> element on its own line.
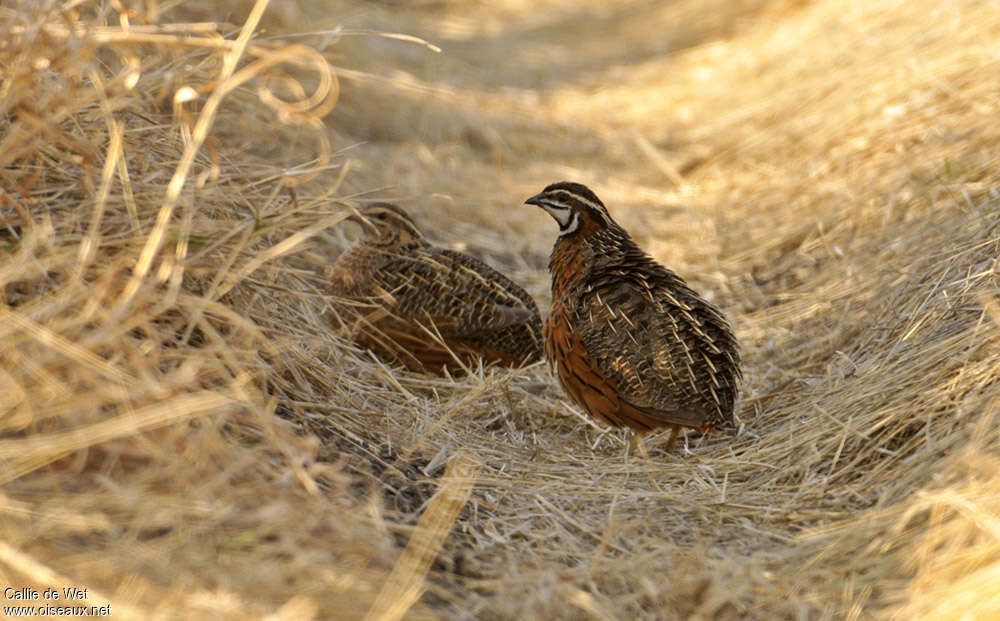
<point x="183" y="434"/>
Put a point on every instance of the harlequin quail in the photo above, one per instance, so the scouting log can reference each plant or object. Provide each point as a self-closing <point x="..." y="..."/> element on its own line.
<point x="423" y="306"/>
<point x="630" y="341"/>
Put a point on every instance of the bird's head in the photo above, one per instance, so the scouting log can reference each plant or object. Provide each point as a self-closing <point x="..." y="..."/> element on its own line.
<point x="574" y="207"/>
<point x="385" y="224"/>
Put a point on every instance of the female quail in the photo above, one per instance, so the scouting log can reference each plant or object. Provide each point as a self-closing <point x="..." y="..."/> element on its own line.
<point x="630" y="342"/>
<point x="395" y="292"/>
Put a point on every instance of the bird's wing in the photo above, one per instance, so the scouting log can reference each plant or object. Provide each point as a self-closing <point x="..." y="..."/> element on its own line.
<point x="651" y="345"/>
<point x="457" y="293"/>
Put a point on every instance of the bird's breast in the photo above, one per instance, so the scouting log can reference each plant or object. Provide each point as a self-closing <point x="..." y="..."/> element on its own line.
<point x="569" y="264"/>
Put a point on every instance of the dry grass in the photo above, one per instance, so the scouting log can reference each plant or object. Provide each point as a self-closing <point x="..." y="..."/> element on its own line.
<point x="181" y="433"/>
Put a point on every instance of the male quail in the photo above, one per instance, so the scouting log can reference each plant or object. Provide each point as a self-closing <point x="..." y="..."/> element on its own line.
<point x="630" y="342"/>
<point x="395" y="293"/>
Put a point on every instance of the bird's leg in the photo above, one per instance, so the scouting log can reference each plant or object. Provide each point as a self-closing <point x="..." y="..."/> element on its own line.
<point x="674" y="432"/>
<point x="635" y="441"/>
<point x="637" y="438"/>
<point x="628" y="450"/>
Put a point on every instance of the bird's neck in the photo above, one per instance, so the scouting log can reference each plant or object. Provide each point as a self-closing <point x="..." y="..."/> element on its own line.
<point x="352" y="269"/>
<point x="571" y="260"/>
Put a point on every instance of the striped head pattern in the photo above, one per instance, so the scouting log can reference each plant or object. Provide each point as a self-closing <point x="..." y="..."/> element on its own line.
<point x="573" y="206"/>
<point x="386" y="224"/>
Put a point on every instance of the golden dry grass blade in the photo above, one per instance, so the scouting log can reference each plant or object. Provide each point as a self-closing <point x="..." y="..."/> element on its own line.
<point x="405" y="584"/>
<point x="19" y="457"/>
<point x="198" y="134"/>
<point x="280" y="249"/>
<point x="90" y="243"/>
<point x="64" y="346"/>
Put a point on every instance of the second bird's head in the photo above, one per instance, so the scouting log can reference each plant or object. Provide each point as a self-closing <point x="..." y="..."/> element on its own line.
<point x="574" y="207"/>
<point x="385" y="224"/>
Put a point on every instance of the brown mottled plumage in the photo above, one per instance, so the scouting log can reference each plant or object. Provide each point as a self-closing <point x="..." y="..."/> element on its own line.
<point x="394" y="291"/>
<point x="629" y="340"/>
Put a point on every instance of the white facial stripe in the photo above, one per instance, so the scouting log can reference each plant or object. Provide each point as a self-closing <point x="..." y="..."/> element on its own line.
<point x="559" y="212"/>
<point x="588" y="203"/>
<point x="574" y="224"/>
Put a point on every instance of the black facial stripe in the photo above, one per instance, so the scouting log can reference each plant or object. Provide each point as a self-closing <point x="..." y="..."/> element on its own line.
<point x="571" y="225"/>
<point x="579" y="199"/>
<point x="559" y="212"/>
<point x="572" y="198"/>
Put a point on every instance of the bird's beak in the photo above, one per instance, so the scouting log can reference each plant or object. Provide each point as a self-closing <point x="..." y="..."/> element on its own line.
<point x="535" y="200"/>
